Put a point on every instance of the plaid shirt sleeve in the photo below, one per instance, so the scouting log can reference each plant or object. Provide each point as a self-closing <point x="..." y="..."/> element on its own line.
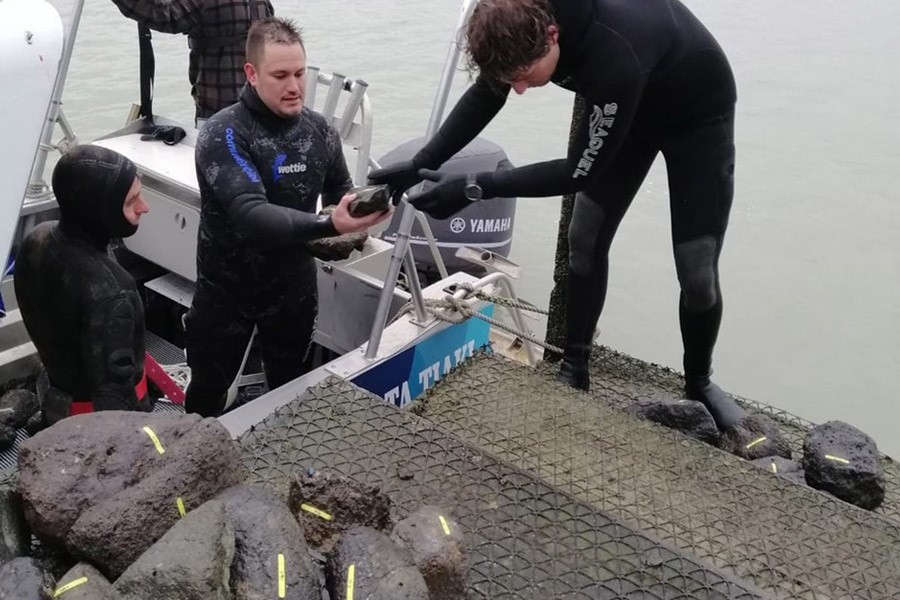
<point x="217" y="31"/>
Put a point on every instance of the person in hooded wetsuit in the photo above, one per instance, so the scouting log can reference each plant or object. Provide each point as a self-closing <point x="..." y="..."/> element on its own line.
<point x="81" y="309"/>
<point x="655" y="81"/>
<point x="261" y="165"/>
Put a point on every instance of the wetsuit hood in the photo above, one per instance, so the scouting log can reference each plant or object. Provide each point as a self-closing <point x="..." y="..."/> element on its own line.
<point x="91" y="184"/>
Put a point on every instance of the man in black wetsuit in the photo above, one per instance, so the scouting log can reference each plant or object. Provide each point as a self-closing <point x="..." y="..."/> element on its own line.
<point x="655" y="80"/>
<point x="81" y="309"/>
<point x="261" y="165"/>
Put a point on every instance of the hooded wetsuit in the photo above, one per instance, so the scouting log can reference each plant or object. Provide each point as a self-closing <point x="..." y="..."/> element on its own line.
<point x="655" y="81"/>
<point x="260" y="176"/>
<point x="81" y="309"/>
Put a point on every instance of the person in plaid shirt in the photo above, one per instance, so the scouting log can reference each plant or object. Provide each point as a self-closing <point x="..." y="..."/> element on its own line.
<point x="217" y="34"/>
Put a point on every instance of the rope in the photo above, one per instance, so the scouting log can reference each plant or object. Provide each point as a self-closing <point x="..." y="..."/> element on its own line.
<point x="463" y="311"/>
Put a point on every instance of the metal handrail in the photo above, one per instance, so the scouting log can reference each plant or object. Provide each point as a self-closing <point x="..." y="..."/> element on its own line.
<point x="401" y="250"/>
<point x="36" y="181"/>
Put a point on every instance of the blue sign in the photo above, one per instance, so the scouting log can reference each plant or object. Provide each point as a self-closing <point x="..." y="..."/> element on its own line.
<point x="405" y="376"/>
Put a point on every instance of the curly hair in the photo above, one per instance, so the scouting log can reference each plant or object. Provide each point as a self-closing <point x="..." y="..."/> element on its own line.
<point x="271" y="30"/>
<point x="505" y="36"/>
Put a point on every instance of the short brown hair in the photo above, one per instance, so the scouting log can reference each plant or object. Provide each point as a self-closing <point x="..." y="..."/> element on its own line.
<point x="271" y="30"/>
<point x="503" y="36"/>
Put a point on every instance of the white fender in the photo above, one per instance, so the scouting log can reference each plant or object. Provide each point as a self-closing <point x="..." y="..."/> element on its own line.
<point x="31" y="45"/>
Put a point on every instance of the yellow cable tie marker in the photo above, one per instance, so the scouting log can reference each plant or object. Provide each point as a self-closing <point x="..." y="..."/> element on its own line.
<point x="155" y="440"/>
<point x="351" y="577"/>
<point x="774" y="468"/>
<point x="72" y="584"/>
<point x="444" y="525"/>
<point x="756" y="442"/>
<point x="837" y="459"/>
<point x="313" y="510"/>
<point x="281" y="590"/>
<point x="180" y="504"/>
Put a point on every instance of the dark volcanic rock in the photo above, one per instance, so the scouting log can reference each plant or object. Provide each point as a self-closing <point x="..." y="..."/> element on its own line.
<point x="15" y="538"/>
<point x="84" y="582"/>
<point x="382" y="570"/>
<point x="112" y="533"/>
<point x="190" y="562"/>
<point x="25" y="579"/>
<point x="755" y="436"/>
<point x="345" y="503"/>
<point x="782" y="467"/>
<point x="35" y="424"/>
<point x="844" y="461"/>
<point x="88" y="459"/>
<point x="336" y="247"/>
<point x="7" y="436"/>
<point x="438" y="550"/>
<point x="17" y="406"/>
<point x="687" y="416"/>
<point x="266" y="534"/>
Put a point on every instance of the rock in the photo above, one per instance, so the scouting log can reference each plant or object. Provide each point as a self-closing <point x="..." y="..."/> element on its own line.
<point x="35" y="424"/>
<point x="15" y="538"/>
<point x="382" y="570"/>
<point x="84" y="582"/>
<point x="191" y="561"/>
<point x="112" y="533"/>
<point x="369" y="199"/>
<point x="87" y="459"/>
<point x="90" y="459"/>
<point x="438" y="550"/>
<point x="24" y="579"/>
<point x="844" y="461"/>
<point x="336" y="247"/>
<point x="782" y="467"/>
<point x="7" y="436"/>
<point x="264" y="530"/>
<point x="687" y="416"/>
<point x="17" y="406"/>
<point x="755" y="436"/>
<point x="326" y="504"/>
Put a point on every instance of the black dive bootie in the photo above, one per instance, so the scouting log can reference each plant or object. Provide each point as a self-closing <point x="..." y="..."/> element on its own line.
<point x="720" y="405"/>
<point x="573" y="370"/>
<point x="699" y="332"/>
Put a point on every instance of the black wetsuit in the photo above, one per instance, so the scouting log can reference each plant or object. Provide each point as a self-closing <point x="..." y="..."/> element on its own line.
<point x="81" y="309"/>
<point x="260" y="176"/>
<point x="655" y="80"/>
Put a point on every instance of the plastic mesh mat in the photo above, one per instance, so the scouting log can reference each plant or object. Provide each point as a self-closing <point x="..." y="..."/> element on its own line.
<point x="789" y="540"/>
<point x="526" y="539"/>
<point x="619" y="379"/>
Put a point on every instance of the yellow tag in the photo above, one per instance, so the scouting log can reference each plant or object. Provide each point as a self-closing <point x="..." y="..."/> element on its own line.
<point x="281" y="590"/>
<point x="73" y="584"/>
<point x="444" y="525"/>
<point x="155" y="440"/>
<point x="837" y="459"/>
<point x="756" y="442"/>
<point x="319" y="513"/>
<point x="774" y="468"/>
<point x="351" y="576"/>
<point x="180" y="504"/>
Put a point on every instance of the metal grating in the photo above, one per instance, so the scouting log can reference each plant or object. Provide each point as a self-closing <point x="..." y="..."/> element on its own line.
<point x="526" y="539"/>
<point x="789" y="540"/>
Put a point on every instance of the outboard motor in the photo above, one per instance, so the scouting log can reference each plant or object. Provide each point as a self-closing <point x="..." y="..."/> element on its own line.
<point x="487" y="224"/>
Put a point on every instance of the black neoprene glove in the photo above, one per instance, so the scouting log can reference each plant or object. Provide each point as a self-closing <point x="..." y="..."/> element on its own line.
<point x="444" y="199"/>
<point x="399" y="176"/>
